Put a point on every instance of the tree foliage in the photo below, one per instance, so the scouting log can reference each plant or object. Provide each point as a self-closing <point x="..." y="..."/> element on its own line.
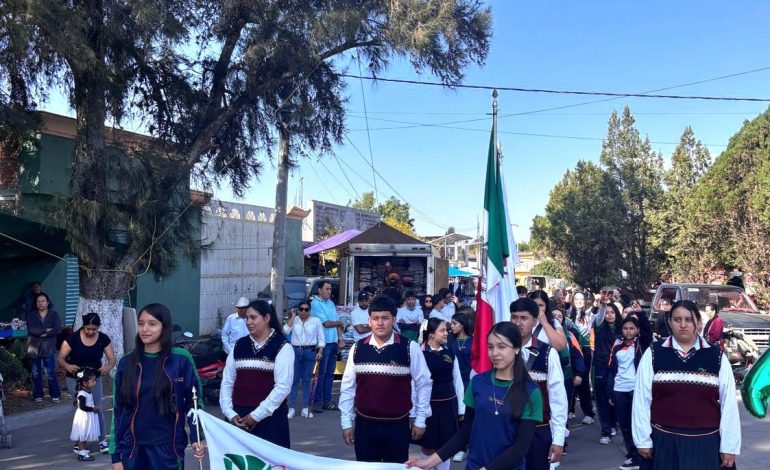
<point x="209" y="80"/>
<point x="580" y="226"/>
<point x="393" y="212"/>
<point x="637" y="172"/>
<point x="550" y="268"/>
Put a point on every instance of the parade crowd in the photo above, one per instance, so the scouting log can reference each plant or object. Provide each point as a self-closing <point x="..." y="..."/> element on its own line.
<point x="665" y="388"/>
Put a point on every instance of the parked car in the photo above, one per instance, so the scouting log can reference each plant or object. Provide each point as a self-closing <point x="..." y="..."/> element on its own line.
<point x="298" y="288"/>
<point x="736" y="309"/>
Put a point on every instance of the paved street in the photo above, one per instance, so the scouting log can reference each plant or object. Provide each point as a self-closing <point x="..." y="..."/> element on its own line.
<point x="44" y="442"/>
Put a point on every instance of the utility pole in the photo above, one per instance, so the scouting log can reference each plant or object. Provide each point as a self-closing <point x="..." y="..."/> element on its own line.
<point x="277" y="272"/>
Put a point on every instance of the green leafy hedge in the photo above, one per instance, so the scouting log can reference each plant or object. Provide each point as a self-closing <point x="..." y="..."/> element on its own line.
<point x="11" y="368"/>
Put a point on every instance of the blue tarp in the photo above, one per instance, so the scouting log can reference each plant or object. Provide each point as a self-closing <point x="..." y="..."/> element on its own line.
<point x="454" y="272"/>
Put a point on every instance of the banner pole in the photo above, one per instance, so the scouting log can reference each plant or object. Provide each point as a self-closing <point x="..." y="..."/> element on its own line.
<point x="197" y="423"/>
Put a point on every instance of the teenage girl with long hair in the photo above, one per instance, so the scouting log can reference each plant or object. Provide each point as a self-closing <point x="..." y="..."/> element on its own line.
<point x="502" y="408"/>
<point x="153" y="394"/>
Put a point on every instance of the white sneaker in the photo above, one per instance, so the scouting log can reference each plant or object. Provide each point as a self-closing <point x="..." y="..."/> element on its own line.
<point x="459" y="457"/>
<point x="604" y="440"/>
<point x="588" y="420"/>
<point x="613" y="432"/>
<point x="291" y="413"/>
<point x="628" y="461"/>
<point x="306" y="413"/>
<point x="571" y="416"/>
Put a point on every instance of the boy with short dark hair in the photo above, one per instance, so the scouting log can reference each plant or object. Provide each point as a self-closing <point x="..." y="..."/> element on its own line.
<point x="376" y="390"/>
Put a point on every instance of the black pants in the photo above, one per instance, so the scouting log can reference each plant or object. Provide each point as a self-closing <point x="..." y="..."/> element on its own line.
<point x="382" y="441"/>
<point x="274" y="428"/>
<point x="583" y="391"/>
<point x="537" y="457"/>
<point x="623" y="402"/>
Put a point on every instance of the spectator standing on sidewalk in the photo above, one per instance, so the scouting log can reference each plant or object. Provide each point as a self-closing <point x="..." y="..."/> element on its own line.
<point x="307" y="340"/>
<point x="84" y="350"/>
<point x="43" y="326"/>
<point x="323" y="308"/>
<point x="383" y="373"/>
<point x="359" y="317"/>
<point x="235" y="325"/>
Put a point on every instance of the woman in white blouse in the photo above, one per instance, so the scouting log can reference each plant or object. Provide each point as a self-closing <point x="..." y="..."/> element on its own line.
<point x="307" y="339"/>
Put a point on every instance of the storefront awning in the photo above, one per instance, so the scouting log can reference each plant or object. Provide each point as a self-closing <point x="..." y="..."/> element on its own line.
<point x="331" y="242"/>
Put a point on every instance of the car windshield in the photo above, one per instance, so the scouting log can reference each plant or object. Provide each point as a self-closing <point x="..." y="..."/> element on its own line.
<point x="727" y="300"/>
<point x="295" y="288"/>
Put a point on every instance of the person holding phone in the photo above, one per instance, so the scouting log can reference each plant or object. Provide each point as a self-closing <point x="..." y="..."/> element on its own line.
<point x="307" y="340"/>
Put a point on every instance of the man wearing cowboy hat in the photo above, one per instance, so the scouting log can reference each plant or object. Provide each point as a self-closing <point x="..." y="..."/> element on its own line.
<point x="235" y="325"/>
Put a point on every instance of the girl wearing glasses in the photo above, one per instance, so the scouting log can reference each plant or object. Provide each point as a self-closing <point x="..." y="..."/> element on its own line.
<point x="307" y="339"/>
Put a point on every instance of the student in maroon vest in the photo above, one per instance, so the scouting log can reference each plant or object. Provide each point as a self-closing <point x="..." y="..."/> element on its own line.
<point x="257" y="378"/>
<point x="377" y="389"/>
<point x="544" y="367"/>
<point x="685" y="413"/>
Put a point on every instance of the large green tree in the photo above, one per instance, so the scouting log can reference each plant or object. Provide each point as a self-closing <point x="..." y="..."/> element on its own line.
<point x="393" y="212"/>
<point x="637" y="172"/>
<point x="210" y="81"/>
<point x="670" y="230"/>
<point x="727" y="215"/>
<point x="581" y="226"/>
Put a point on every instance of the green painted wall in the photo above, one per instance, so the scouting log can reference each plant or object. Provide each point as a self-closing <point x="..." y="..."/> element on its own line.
<point x="16" y="274"/>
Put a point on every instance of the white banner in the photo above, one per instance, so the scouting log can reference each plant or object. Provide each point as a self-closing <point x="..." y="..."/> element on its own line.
<point x="232" y="448"/>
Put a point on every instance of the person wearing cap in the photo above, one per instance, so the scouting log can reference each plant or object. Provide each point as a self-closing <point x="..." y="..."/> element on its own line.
<point x="235" y="325"/>
<point x="359" y="317"/>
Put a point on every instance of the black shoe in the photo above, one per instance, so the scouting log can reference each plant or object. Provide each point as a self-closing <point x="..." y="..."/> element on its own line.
<point x="317" y="409"/>
<point x="331" y="407"/>
<point x="86" y="457"/>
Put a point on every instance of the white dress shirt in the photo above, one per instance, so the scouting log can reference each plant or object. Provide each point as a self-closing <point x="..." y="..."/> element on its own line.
<point x="557" y="394"/>
<point x="422" y="385"/>
<point x="442" y="314"/>
<point x="410" y="316"/>
<point x="359" y="316"/>
<point x="309" y="333"/>
<point x="449" y="310"/>
<point x="234" y="329"/>
<point x="729" y="422"/>
<point x="283" y="375"/>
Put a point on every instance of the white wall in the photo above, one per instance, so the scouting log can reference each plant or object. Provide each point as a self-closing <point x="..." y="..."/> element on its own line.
<point x="237" y="243"/>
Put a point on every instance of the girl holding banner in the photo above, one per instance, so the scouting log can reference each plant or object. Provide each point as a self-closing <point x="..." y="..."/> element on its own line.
<point x="149" y="407"/>
<point x="257" y="378"/>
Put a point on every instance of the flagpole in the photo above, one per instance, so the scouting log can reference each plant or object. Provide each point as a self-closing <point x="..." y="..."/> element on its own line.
<point x="197" y="424"/>
<point x="494" y="121"/>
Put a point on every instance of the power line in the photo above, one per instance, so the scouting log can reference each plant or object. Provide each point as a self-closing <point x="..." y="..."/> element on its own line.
<point x="352" y="186"/>
<point x="426" y="217"/>
<point x="567" y="92"/>
<point x="323" y="183"/>
<point x="334" y="177"/>
<point x="368" y="134"/>
<point x="661" y="113"/>
<point x="412" y="125"/>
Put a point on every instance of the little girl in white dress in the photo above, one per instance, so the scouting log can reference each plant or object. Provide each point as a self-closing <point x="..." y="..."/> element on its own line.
<point x="85" y="424"/>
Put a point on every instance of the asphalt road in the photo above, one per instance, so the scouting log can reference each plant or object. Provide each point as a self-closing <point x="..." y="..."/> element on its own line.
<point x="41" y="440"/>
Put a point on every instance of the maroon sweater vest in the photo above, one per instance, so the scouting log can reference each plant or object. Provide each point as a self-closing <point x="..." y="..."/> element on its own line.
<point x="254" y="370"/>
<point x="685" y="390"/>
<point x="383" y="379"/>
<point x="538" y="372"/>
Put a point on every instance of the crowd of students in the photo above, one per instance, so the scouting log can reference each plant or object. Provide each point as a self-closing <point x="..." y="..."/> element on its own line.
<point x="673" y="401"/>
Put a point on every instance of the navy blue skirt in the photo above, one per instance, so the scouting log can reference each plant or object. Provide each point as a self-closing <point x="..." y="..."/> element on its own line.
<point x="274" y="428"/>
<point x="684" y="449"/>
<point x="442" y="425"/>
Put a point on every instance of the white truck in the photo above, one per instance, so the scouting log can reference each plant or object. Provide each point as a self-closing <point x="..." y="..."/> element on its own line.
<point x="370" y="263"/>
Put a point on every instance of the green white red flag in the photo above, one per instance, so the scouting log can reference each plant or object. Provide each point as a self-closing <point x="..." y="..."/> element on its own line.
<point x="496" y="289"/>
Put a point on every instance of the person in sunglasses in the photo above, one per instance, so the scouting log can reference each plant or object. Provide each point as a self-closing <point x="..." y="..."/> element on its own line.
<point x="307" y="340"/>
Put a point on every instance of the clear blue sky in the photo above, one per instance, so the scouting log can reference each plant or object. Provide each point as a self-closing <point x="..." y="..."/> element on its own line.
<point x="586" y="45"/>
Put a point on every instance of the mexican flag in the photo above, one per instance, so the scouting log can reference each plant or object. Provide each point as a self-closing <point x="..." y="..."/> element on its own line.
<point x="496" y="288"/>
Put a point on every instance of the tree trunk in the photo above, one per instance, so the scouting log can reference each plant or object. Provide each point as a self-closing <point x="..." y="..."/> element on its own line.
<point x="279" y="225"/>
